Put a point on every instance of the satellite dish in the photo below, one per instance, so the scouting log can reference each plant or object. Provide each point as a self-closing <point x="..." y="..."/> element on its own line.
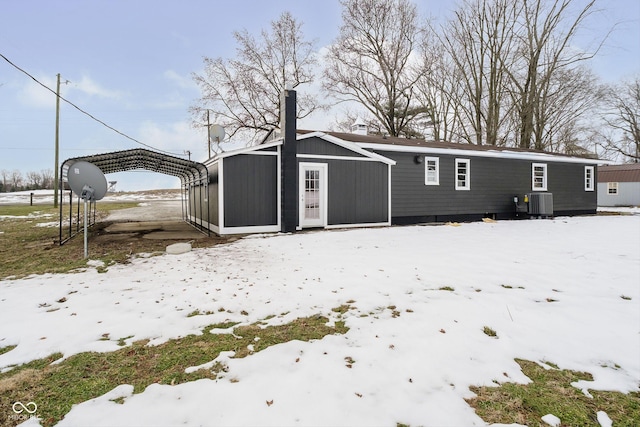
<point x="216" y="133"/>
<point x="87" y="181"/>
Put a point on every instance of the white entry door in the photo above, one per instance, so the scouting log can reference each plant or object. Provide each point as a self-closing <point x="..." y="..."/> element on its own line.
<point x="313" y="195"/>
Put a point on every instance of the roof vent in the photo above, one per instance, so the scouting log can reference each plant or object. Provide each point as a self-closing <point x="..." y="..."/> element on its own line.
<point x="359" y="127"/>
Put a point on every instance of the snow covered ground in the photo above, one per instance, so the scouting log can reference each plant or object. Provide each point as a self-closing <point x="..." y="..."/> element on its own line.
<point x="46" y="196"/>
<point x="552" y="290"/>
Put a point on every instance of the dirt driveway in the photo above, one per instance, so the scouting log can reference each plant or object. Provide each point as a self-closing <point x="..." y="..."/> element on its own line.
<point x="152" y="210"/>
<point x="159" y="220"/>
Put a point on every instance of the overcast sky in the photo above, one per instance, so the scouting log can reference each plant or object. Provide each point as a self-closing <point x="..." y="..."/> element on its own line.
<point x="129" y="63"/>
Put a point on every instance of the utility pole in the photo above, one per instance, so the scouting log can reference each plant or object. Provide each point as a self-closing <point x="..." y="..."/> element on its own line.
<point x="55" y="167"/>
<point x="208" y="137"/>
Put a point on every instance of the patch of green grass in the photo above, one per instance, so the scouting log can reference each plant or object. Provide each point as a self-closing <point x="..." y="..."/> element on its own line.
<point x="447" y="288"/>
<point x="624" y="297"/>
<point x="197" y="312"/>
<point x="223" y="325"/>
<point x="341" y="309"/>
<point x="84" y="376"/>
<point x="27" y="249"/>
<point x="7" y="349"/>
<point x="551" y="392"/>
<point x="489" y="332"/>
<point x="122" y="341"/>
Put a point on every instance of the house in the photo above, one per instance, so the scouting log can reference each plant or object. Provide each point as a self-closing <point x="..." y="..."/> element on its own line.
<point x="308" y="179"/>
<point x="619" y="185"/>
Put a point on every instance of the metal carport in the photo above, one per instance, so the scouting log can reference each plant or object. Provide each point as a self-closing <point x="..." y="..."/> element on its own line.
<point x="188" y="171"/>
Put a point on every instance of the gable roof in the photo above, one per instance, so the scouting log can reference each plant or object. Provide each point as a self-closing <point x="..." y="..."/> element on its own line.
<point x="619" y="173"/>
<point x="389" y="143"/>
<point x="244" y="150"/>
<point x="345" y="144"/>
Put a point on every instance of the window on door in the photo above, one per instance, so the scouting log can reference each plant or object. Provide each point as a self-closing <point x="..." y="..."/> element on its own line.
<point x="312" y="194"/>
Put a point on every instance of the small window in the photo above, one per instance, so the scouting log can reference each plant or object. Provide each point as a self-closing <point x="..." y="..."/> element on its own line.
<point x="431" y="171"/>
<point x="612" y="188"/>
<point x="539" y="177"/>
<point x="463" y="174"/>
<point x="588" y="178"/>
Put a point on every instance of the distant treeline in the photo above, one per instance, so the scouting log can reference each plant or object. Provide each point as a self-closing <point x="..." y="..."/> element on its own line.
<point x="14" y="180"/>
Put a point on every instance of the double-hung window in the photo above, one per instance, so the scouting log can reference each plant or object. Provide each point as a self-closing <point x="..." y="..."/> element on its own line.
<point x="463" y="174"/>
<point x="431" y="171"/>
<point x="612" y="188"/>
<point x="539" y="177"/>
<point x="588" y="178"/>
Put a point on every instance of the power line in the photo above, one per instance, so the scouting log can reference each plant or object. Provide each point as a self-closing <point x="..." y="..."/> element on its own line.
<point x="83" y="111"/>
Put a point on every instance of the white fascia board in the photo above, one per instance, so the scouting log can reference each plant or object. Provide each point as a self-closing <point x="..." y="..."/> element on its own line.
<point x="475" y="153"/>
<point x="362" y="225"/>
<point x="249" y="229"/>
<point x="356" y="148"/>
<point x="246" y="150"/>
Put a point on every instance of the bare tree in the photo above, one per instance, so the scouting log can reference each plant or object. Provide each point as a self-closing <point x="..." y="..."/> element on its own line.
<point x="480" y="40"/>
<point x="439" y="88"/>
<point x="564" y="113"/>
<point x="33" y="180"/>
<point x="15" y="179"/>
<point x="5" y="179"/>
<point x="621" y="135"/>
<point x="345" y="121"/>
<point x="46" y="177"/>
<point x="369" y="62"/>
<point x="244" y="93"/>
<point x="549" y="28"/>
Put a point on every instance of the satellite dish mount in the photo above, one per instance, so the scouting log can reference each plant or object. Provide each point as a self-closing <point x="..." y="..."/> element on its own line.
<point x="216" y="134"/>
<point x="89" y="183"/>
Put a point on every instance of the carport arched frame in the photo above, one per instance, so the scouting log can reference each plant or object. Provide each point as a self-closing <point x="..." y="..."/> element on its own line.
<point x="188" y="171"/>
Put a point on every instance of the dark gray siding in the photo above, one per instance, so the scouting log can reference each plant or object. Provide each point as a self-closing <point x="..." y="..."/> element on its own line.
<point x="250" y="190"/>
<point x="214" y="203"/>
<point x="494" y="183"/>
<point x="195" y="192"/>
<point x="566" y="182"/>
<point x="322" y="147"/>
<point x="358" y="191"/>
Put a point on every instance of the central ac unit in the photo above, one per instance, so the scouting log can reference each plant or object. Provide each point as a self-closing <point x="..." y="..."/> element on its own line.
<point x="540" y="204"/>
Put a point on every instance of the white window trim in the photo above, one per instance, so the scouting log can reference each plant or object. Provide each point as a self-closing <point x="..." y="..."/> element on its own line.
<point x="467" y="187"/>
<point x="589" y="173"/>
<point x="613" y="186"/>
<point x="533" y="176"/>
<point x="426" y="172"/>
